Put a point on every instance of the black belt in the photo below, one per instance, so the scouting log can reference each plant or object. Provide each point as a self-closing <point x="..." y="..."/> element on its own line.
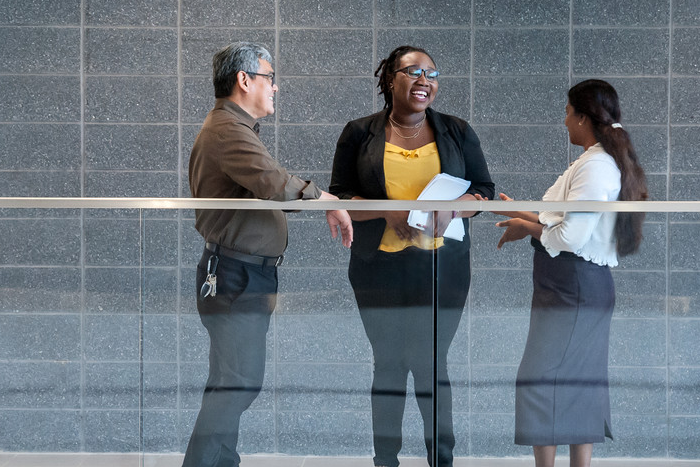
<point x="246" y="258"/>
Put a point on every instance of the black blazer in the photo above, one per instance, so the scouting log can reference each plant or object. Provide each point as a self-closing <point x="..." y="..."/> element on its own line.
<point x="358" y="167"/>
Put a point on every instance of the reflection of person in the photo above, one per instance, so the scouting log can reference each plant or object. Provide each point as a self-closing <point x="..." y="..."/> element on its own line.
<point x="393" y="154"/>
<point x="237" y="274"/>
<point x="562" y="383"/>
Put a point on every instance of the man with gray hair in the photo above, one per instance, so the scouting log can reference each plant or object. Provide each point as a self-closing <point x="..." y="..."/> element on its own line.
<point x="237" y="273"/>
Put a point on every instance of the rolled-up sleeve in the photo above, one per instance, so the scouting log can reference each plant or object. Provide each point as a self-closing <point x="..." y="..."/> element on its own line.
<point x="246" y="161"/>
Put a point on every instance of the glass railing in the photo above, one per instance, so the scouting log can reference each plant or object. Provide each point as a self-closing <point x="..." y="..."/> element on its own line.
<point x="102" y="349"/>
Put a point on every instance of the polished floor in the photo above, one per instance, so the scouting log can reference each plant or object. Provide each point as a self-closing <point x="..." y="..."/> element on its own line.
<point x="175" y="460"/>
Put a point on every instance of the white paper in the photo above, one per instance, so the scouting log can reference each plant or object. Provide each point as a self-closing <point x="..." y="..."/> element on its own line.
<point x="442" y="187"/>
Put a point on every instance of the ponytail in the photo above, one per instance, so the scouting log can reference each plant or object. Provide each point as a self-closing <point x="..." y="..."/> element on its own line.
<point x="598" y="100"/>
<point x="628" y="225"/>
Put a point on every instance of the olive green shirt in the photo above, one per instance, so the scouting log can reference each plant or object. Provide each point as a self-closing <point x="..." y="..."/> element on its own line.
<point x="228" y="160"/>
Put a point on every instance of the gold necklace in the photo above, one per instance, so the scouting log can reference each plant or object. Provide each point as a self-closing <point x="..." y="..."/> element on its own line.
<point x="408" y="126"/>
<point x="418" y="125"/>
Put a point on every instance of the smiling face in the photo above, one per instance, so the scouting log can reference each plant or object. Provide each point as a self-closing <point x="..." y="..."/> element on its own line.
<point x="263" y="91"/>
<point x="411" y="95"/>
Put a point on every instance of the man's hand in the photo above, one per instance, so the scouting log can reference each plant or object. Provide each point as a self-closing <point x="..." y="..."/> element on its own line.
<point x="340" y="219"/>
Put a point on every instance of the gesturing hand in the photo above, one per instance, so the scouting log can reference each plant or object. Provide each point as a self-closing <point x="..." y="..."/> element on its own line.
<point x="340" y="219"/>
<point x="516" y="229"/>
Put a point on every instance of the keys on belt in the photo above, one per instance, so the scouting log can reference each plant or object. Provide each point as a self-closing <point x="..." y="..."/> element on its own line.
<point x="209" y="286"/>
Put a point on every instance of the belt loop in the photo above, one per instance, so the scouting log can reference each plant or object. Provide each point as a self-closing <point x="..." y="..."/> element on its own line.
<point x="213" y="247"/>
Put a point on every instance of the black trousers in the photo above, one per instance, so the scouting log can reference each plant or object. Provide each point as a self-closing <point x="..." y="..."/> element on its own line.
<point x="237" y="320"/>
<point x="394" y="293"/>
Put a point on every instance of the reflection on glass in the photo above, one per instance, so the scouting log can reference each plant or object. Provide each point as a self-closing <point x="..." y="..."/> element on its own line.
<point x="76" y="381"/>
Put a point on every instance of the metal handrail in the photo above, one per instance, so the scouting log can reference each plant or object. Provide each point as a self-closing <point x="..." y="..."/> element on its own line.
<point x="356" y="205"/>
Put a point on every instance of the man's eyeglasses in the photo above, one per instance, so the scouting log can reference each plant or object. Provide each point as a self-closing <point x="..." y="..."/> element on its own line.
<point x="414" y="72"/>
<point x="270" y="76"/>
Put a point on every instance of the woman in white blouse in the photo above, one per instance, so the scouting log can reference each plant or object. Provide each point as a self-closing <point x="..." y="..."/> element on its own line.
<point x="562" y="383"/>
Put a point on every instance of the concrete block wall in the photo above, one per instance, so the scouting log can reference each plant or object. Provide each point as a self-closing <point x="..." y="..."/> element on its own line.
<point x="100" y="345"/>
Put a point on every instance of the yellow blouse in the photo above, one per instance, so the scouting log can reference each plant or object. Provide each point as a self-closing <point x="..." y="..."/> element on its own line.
<point x="406" y="173"/>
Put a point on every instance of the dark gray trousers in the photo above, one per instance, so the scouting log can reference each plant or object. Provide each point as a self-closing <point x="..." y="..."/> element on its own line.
<point x="237" y="320"/>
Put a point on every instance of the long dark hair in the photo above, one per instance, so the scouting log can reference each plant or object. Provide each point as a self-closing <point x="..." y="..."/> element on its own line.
<point x="598" y="100"/>
<point x="388" y="66"/>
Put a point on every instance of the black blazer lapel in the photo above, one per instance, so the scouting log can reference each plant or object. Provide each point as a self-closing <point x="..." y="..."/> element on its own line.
<point x="451" y="161"/>
<point x="375" y="151"/>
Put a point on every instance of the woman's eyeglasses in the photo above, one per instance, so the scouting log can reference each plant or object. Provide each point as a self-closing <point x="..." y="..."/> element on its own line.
<point x="270" y="76"/>
<point x="414" y="72"/>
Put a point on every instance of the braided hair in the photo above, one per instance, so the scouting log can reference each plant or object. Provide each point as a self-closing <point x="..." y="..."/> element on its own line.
<point x="598" y="100"/>
<point x="387" y="67"/>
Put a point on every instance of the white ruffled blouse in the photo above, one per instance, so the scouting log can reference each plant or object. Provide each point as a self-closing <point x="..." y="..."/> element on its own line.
<point x="594" y="176"/>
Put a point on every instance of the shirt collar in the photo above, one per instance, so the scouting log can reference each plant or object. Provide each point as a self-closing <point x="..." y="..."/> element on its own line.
<point x="242" y="115"/>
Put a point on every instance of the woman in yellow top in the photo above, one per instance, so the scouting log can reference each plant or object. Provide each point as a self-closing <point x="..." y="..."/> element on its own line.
<point x="393" y="154"/>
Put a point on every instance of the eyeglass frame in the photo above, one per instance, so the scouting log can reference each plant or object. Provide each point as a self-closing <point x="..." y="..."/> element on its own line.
<point x="424" y="72"/>
<point x="270" y="76"/>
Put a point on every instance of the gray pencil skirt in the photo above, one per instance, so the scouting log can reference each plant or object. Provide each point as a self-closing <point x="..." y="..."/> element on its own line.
<point x="562" y="392"/>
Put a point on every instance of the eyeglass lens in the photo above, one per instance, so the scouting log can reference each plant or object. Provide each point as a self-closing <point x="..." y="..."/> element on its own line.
<point x="268" y="76"/>
<point x="415" y="72"/>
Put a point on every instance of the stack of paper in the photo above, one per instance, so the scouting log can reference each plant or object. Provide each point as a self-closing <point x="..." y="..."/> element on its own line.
<point x="441" y="187"/>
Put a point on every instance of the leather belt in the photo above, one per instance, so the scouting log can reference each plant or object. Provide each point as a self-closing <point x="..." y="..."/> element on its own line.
<point x="246" y="258"/>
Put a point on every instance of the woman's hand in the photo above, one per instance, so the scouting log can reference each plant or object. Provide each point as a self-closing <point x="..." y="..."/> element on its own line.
<point x="504" y="197"/>
<point x="438" y="222"/>
<point x="526" y="215"/>
<point x="516" y="229"/>
<point x="398" y="220"/>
